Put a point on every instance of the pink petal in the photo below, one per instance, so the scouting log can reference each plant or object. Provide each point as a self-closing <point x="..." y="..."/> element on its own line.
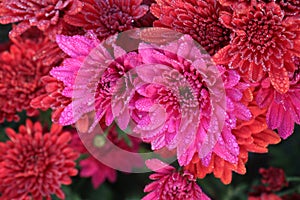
<point x="123" y="119"/>
<point x="76" y="45"/>
<point x="144" y="104"/>
<point x="159" y="166"/>
<point x="159" y="142"/>
<point x="148" y="72"/>
<point x="275" y="115"/>
<point x="88" y="167"/>
<point x="264" y="97"/>
<point x="227" y="147"/>
<point x="242" y="112"/>
<point x="286" y="127"/>
<point x="109" y="117"/>
<point x="98" y="178"/>
<point x="232" y="79"/>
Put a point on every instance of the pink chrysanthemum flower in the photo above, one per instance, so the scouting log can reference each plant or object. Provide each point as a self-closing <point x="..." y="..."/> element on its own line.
<point x="264" y="42"/>
<point x="94" y="168"/>
<point x="108" y="85"/>
<point x="108" y="17"/>
<point x="91" y="167"/>
<point x="171" y="184"/>
<point x="103" y="92"/>
<point x="20" y="71"/>
<point x="34" y="164"/>
<point x="283" y="109"/>
<point x="170" y="118"/>
<point x="200" y="19"/>
<point x="45" y="15"/>
<point x="89" y="76"/>
<point x="77" y="48"/>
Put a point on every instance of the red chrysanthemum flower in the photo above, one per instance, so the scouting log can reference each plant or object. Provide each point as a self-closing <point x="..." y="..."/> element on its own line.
<point x="233" y="2"/>
<point x="261" y="193"/>
<point x="294" y="196"/>
<point x="200" y="19"/>
<point x="264" y="42"/>
<point x="45" y="15"/>
<point x="4" y="46"/>
<point x="106" y="18"/>
<point x="20" y="71"/>
<point x="148" y="19"/>
<point x="290" y="7"/>
<point x="52" y="98"/>
<point x="252" y="136"/>
<point x="274" y="178"/>
<point x="34" y="164"/>
<point x="171" y="184"/>
<point x="296" y="74"/>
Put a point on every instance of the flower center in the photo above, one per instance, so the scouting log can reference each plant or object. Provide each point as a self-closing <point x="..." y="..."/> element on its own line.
<point x="261" y="29"/>
<point x="35" y="161"/>
<point x="108" y="80"/>
<point x="116" y="20"/>
<point x="210" y="33"/>
<point x="177" y="187"/>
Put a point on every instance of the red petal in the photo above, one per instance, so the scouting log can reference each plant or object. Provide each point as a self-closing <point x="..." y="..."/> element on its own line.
<point x="255" y="72"/>
<point x="222" y="57"/>
<point x="226" y="18"/>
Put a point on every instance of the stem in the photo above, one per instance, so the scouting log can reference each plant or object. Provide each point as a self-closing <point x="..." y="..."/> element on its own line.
<point x="289" y="191"/>
<point x="293" y="179"/>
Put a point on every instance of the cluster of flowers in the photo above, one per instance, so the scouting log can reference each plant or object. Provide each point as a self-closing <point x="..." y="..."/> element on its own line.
<point x="62" y="53"/>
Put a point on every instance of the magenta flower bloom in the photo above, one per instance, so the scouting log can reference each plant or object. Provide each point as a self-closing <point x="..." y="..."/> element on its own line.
<point x="111" y="80"/>
<point x="89" y="76"/>
<point x="283" y="109"/>
<point x="171" y="184"/>
<point x="173" y="106"/>
<point x="171" y="93"/>
<point x="93" y="167"/>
